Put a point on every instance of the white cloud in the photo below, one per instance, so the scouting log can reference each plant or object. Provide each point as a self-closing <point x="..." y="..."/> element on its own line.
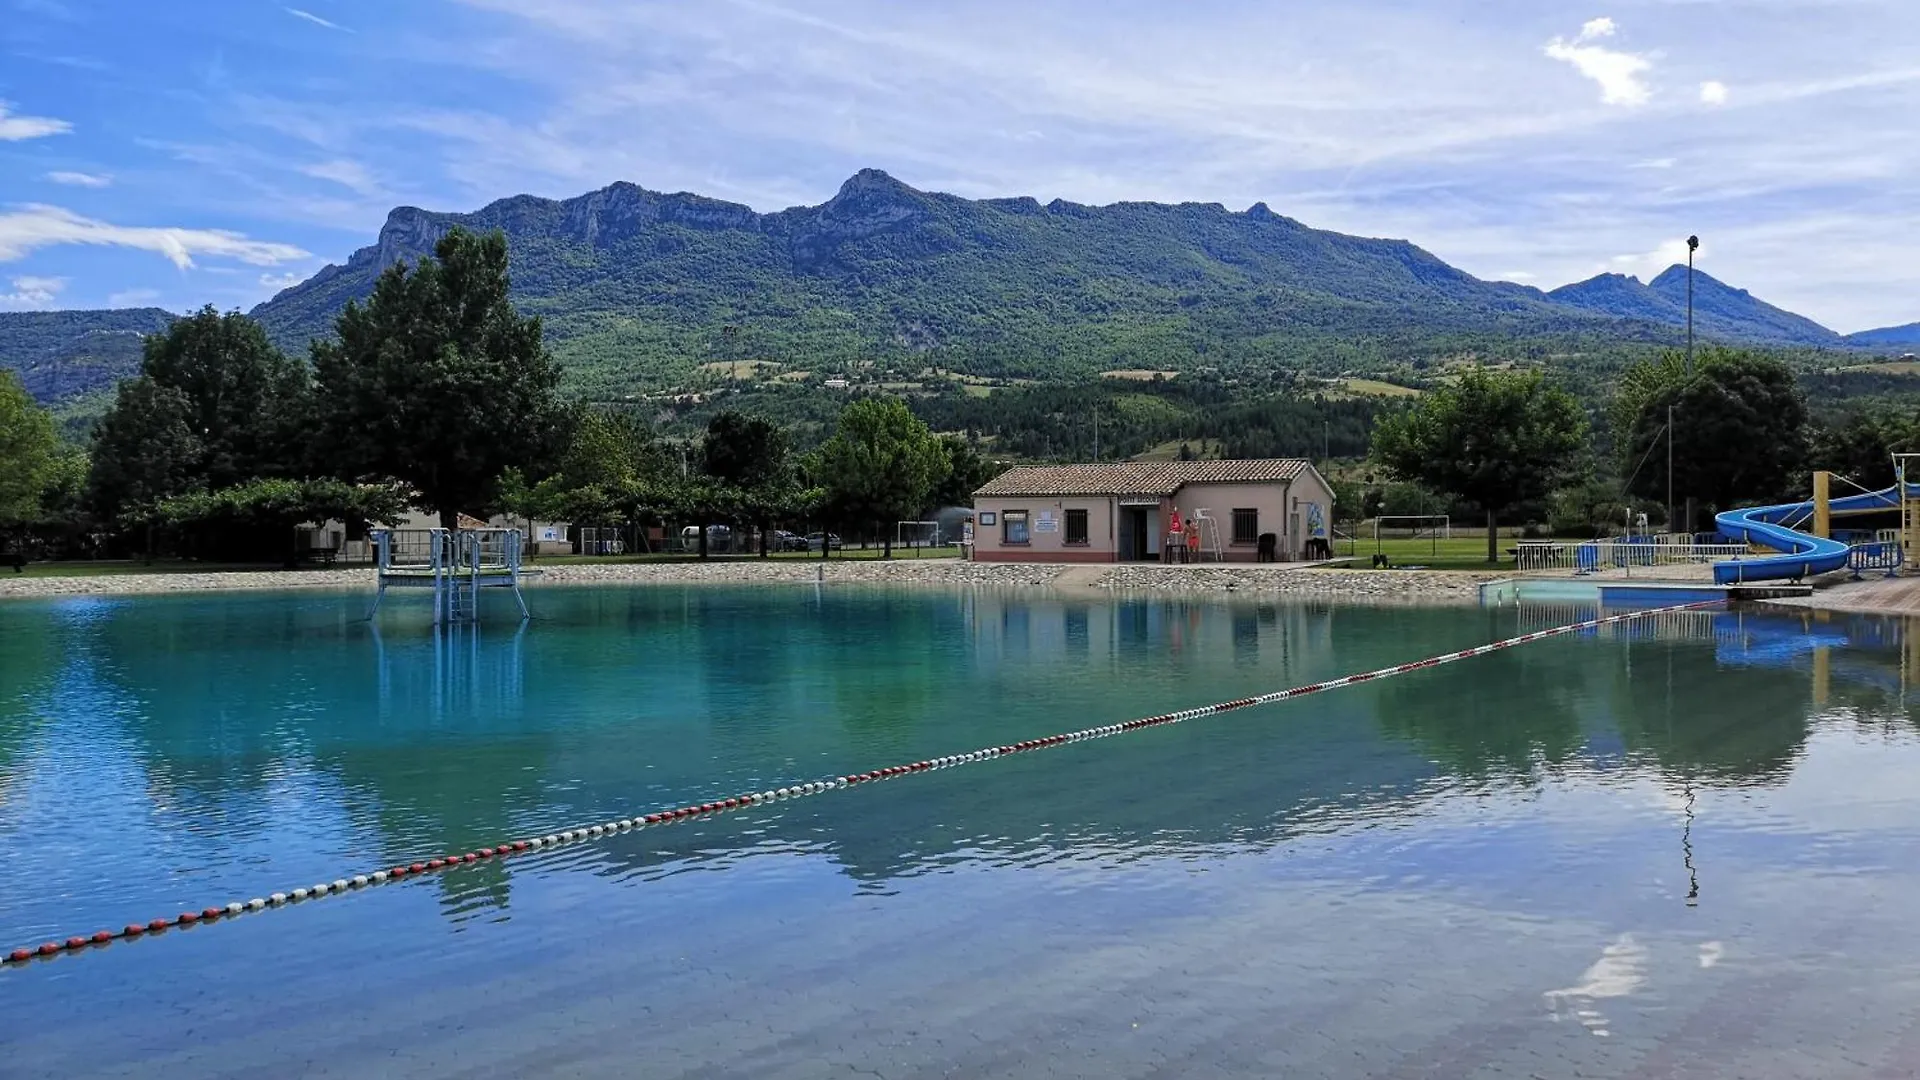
<point x="80" y="179"/>
<point x="1713" y="92"/>
<point x="133" y="298"/>
<point x="276" y="282"/>
<point x="1618" y="73"/>
<point x="33" y="292"/>
<point x="36" y="226"/>
<point x="1594" y="29"/>
<point x="14" y="128"/>
<point x="1523" y="277"/>
<point x="315" y="19"/>
<point x="1378" y="117"/>
<point x="348" y="174"/>
<point x="1647" y="265"/>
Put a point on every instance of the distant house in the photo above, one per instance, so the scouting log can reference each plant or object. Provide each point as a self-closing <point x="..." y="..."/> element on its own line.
<point x="1120" y="512"/>
<point x="836" y="383"/>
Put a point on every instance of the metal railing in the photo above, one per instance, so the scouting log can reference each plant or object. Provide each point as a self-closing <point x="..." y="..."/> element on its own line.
<point x="445" y="551"/>
<point x="1880" y="555"/>
<point x="1594" y="555"/>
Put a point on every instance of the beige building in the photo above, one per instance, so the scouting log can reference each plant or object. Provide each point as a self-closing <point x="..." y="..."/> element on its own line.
<point x="1122" y="512"/>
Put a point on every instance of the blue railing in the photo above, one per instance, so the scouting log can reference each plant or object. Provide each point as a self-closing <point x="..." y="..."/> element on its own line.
<point x="1879" y="555"/>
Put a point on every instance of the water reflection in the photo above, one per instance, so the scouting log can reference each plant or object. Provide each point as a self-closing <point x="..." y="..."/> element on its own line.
<point x="270" y="739"/>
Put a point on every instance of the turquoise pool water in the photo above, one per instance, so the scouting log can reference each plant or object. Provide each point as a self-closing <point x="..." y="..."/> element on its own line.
<point x="1683" y="849"/>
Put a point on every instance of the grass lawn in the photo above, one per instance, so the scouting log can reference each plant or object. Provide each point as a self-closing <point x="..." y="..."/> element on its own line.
<point x="1376" y="388"/>
<point x="1460" y="553"/>
<point x="108" y="567"/>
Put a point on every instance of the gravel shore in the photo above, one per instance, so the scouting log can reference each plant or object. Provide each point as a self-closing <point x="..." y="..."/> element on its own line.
<point x="1425" y="586"/>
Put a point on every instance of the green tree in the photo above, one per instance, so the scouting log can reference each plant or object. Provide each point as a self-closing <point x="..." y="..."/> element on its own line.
<point x="745" y="451"/>
<point x="29" y="453"/>
<point x="1739" y="431"/>
<point x="747" y="461"/>
<point x="1496" y="439"/>
<point x="967" y="472"/>
<point x="438" y="382"/>
<point x="236" y="519"/>
<point x="606" y="475"/>
<point x="215" y="405"/>
<point x="881" y="466"/>
<point x="246" y="402"/>
<point x="144" y="449"/>
<point x="1861" y="446"/>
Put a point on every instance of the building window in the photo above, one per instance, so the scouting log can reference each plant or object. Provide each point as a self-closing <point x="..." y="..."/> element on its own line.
<point x="1076" y="526"/>
<point x="1013" y="527"/>
<point x="1246" y="526"/>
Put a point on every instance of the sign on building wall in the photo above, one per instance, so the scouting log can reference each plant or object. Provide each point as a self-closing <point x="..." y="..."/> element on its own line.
<point x="1316" y="522"/>
<point x="550" y="534"/>
<point x="1046" y="522"/>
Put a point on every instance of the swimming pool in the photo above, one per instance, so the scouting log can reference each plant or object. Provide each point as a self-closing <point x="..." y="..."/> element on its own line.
<point x="1683" y="848"/>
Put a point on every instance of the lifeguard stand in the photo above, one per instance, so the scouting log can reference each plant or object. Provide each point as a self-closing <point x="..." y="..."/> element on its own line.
<point x="455" y="563"/>
<point x="1209" y="536"/>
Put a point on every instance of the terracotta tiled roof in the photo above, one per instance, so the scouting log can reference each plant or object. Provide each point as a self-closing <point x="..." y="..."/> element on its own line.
<point x="1136" y="477"/>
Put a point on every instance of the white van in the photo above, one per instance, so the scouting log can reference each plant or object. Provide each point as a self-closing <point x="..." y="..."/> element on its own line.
<point x="719" y="538"/>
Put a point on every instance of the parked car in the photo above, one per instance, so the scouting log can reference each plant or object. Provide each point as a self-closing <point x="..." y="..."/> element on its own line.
<point x="782" y="540"/>
<point x="719" y="537"/>
<point x="832" y="540"/>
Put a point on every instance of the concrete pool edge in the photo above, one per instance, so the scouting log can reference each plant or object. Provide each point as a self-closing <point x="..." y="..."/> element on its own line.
<point x="1629" y="593"/>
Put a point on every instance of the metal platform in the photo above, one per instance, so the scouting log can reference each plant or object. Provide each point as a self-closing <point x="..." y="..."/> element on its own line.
<point x="456" y="564"/>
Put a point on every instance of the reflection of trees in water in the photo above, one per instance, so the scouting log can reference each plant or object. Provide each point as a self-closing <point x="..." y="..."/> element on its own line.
<point x="419" y="727"/>
<point x="1705" y="720"/>
<point x="895" y="663"/>
<point x="1250" y="781"/>
<point x="452" y="745"/>
<point x="1661" y="689"/>
<point x="30" y="663"/>
<point x="1499" y="716"/>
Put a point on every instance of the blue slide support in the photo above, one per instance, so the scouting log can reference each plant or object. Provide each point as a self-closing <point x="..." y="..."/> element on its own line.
<point x="1802" y="554"/>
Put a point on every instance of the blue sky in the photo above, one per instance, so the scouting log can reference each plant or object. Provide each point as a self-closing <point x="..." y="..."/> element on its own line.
<point x="214" y="150"/>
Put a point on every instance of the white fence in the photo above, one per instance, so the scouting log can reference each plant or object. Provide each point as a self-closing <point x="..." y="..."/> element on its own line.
<point x="1614" y="554"/>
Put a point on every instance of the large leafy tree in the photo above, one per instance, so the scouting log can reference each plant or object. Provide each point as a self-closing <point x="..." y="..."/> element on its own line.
<point x="967" y="472"/>
<point x="750" y="472"/>
<point x="438" y="382"/>
<point x="745" y="451"/>
<point x="1496" y="439"/>
<point x="144" y="449"/>
<point x="29" y="453"/>
<point x="1739" y="431"/>
<point x="604" y="475"/>
<point x="881" y="465"/>
<point x="246" y="402"/>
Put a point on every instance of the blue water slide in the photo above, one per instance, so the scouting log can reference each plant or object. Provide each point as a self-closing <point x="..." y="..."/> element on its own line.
<point x="1802" y="554"/>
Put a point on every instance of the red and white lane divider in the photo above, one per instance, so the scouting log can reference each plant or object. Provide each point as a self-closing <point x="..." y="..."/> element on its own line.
<point x="438" y="863"/>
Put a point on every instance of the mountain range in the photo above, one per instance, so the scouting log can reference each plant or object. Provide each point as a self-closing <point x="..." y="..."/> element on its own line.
<point x="638" y="289"/>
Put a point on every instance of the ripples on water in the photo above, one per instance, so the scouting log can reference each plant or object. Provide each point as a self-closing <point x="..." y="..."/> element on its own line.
<point x="1660" y="847"/>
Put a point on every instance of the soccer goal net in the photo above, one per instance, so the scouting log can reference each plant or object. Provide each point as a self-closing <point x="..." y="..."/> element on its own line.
<point x="1413" y="527"/>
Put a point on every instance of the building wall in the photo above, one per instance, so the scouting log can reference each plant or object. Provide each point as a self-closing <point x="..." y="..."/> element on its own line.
<point x="989" y="541"/>
<point x="1283" y="508"/>
<point x="1280" y="507"/>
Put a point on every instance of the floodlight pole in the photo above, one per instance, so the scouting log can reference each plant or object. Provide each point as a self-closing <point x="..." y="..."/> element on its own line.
<point x="1693" y="244"/>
